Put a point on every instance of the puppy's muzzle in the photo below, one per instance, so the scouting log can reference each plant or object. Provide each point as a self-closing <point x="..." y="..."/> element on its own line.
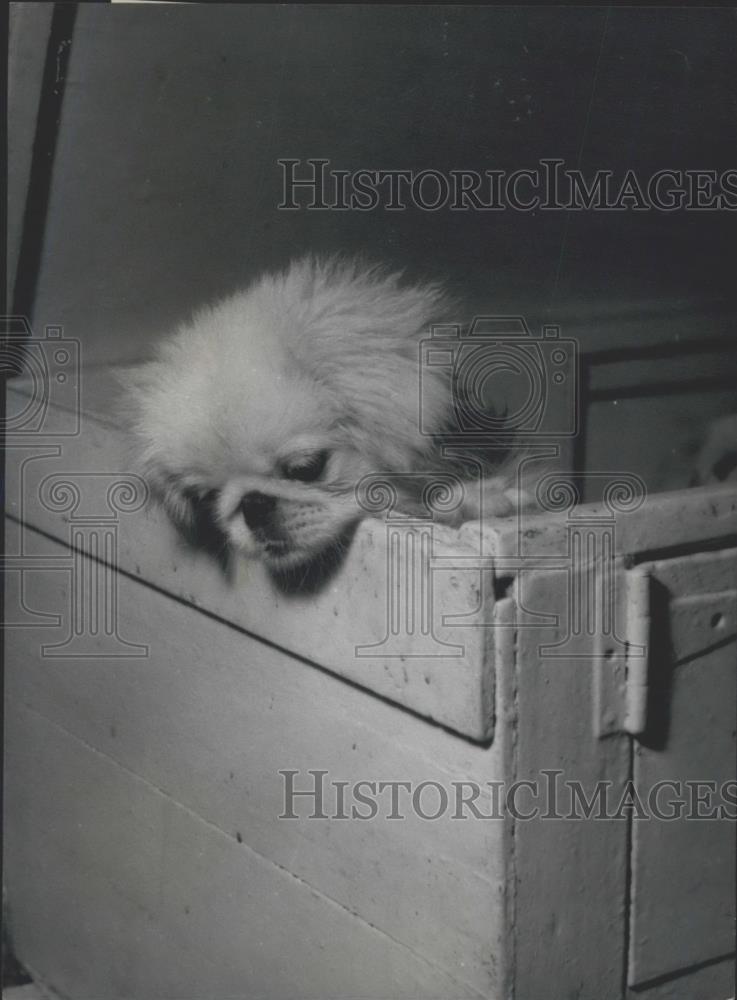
<point x="261" y="516"/>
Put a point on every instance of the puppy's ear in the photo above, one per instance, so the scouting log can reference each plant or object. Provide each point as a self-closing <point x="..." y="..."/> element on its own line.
<point x="179" y="503"/>
<point x="191" y="512"/>
<point x="193" y="515"/>
<point x="136" y="409"/>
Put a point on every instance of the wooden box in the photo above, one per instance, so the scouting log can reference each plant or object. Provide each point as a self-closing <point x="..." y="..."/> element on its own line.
<point x="157" y="709"/>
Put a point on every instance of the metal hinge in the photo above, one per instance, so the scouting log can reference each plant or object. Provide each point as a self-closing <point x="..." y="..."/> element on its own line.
<point x="621" y="665"/>
<point x="637" y="656"/>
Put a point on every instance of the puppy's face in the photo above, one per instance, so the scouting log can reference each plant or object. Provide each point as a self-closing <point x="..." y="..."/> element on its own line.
<point x="284" y="492"/>
<point x="266" y="411"/>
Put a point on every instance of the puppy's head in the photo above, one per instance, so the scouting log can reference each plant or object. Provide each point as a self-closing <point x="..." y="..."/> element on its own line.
<point x="266" y="409"/>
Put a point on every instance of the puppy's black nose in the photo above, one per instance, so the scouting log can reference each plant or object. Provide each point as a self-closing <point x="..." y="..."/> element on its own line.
<point x="258" y="512"/>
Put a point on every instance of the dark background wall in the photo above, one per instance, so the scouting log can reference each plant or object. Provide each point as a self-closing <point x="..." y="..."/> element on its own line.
<point x="166" y="186"/>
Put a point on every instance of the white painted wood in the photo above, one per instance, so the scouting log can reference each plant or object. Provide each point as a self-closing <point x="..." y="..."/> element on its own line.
<point x="455" y="689"/>
<point x="209" y="718"/>
<point x="570" y="875"/>
<point x="206" y="917"/>
<point x="701" y="573"/>
<point x="664" y="521"/>
<point x="195" y="717"/>
<point x="683" y="873"/>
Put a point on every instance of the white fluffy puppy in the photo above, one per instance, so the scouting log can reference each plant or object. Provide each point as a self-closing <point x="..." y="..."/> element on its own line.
<point x="267" y="409"/>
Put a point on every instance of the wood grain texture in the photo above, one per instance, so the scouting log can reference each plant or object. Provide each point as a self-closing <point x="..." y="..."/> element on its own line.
<point x="206" y="722"/>
<point x="570" y="875"/>
<point x="194" y="914"/>
<point x="683" y="872"/>
<point x="665" y="521"/>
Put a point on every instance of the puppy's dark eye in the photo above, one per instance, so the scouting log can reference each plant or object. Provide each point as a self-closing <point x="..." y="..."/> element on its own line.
<point x="308" y="469"/>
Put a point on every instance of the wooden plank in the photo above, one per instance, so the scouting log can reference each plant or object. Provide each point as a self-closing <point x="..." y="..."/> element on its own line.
<point x="701" y="573"/>
<point x="211" y="716"/>
<point x="456" y="690"/>
<point x="690" y="519"/>
<point x="452" y="684"/>
<point x="700" y="623"/>
<point x="217" y="920"/>
<point x="569" y="874"/>
<point x="683" y="872"/>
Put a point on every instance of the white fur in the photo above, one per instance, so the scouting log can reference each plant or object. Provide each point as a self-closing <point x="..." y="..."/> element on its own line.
<point x="322" y="356"/>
